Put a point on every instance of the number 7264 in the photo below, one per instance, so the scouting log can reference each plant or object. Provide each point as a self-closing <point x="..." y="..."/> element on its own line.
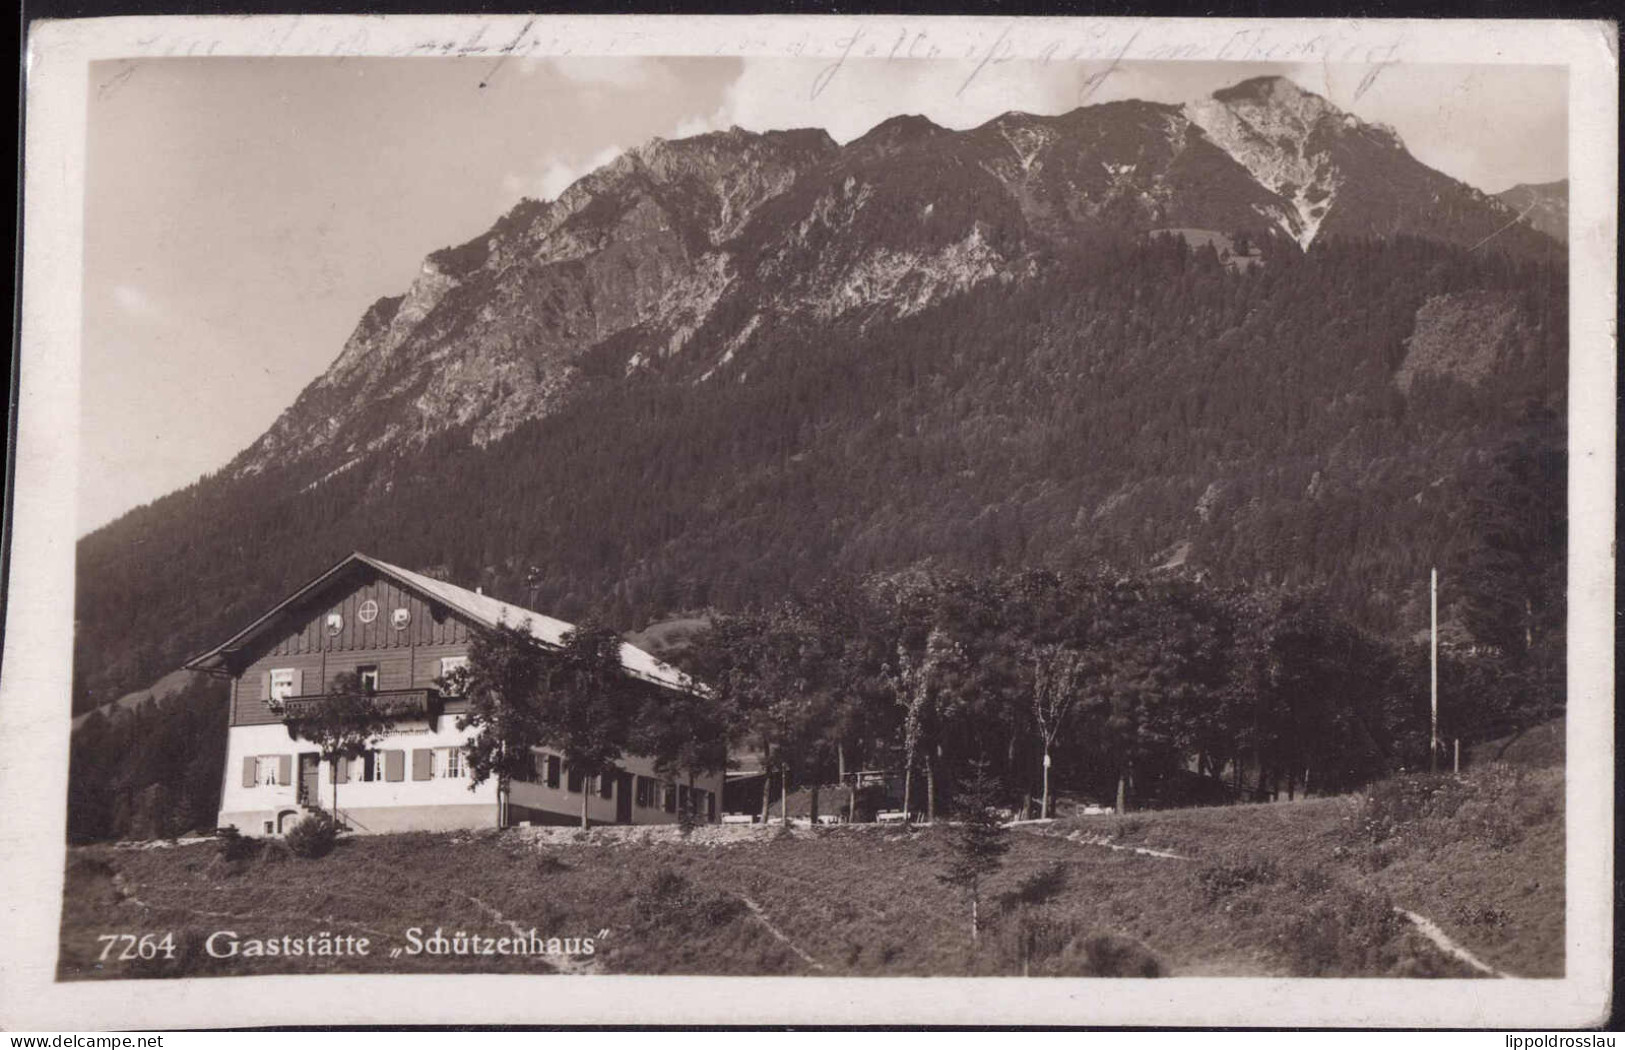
<point x="146" y="946"/>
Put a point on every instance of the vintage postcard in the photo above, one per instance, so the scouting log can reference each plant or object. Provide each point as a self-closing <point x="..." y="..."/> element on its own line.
<point x="598" y="520"/>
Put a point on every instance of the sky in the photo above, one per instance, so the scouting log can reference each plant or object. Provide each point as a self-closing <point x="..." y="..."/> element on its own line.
<point x="241" y="214"/>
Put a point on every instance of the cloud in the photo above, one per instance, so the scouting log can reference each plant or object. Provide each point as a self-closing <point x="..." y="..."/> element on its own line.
<point x="133" y="301"/>
<point x="559" y="175"/>
<point x="719" y="119"/>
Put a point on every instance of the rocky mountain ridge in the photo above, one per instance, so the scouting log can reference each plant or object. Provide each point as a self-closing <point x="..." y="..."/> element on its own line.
<point x="676" y="257"/>
<point x="1543" y="206"/>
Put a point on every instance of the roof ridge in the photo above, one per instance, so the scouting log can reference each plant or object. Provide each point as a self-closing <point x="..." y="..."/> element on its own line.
<point x="483" y="608"/>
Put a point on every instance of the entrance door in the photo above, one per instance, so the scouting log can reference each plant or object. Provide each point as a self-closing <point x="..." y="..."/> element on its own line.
<point x="623" y="799"/>
<point x="310" y="764"/>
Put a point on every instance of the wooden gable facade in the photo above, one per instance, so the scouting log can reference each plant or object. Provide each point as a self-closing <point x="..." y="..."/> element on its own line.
<point x="301" y="640"/>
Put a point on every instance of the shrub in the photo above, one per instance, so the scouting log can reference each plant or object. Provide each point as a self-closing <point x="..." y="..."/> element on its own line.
<point x="550" y="864"/>
<point x="1480" y="915"/>
<point x="1036" y="888"/>
<point x="1348" y="934"/>
<point x="1040" y="942"/>
<point x="1113" y="956"/>
<point x="670" y="901"/>
<point x="314" y="835"/>
<point x="1031" y="941"/>
<point x="1235" y="871"/>
<point x="1392" y="805"/>
<point x="1126" y="827"/>
<point x="233" y="845"/>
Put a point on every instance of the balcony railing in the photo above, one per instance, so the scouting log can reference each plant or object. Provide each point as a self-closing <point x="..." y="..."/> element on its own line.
<point x="397" y="703"/>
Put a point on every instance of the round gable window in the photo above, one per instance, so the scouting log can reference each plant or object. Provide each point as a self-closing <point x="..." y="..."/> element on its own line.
<point x="368" y="611"/>
<point x="400" y="618"/>
<point x="335" y="623"/>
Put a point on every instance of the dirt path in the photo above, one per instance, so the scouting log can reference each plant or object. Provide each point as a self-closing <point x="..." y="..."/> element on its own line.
<point x="572" y="965"/>
<point x="761" y="917"/>
<point x="1097" y="840"/>
<point x="1441" y="940"/>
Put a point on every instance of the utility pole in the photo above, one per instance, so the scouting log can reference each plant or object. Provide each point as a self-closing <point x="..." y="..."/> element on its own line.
<point x="1433" y="670"/>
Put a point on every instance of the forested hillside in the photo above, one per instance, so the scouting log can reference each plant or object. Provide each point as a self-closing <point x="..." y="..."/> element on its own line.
<point x="1340" y="419"/>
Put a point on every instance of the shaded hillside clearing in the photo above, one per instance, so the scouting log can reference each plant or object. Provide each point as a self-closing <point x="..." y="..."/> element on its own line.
<point x="1307" y="889"/>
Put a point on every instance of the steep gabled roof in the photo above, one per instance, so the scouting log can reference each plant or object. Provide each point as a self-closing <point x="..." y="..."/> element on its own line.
<point x="480" y="608"/>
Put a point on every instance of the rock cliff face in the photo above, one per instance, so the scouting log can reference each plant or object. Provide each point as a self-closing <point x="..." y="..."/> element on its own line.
<point x="670" y="260"/>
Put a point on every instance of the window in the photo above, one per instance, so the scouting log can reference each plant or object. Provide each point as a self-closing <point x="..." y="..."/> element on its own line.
<point x="684" y="801"/>
<point x="270" y="827"/>
<point x="573" y="779"/>
<point x="265" y="767"/>
<point x="711" y="806"/>
<point x="448" y="762"/>
<point x="448" y="664"/>
<point x="643" y="792"/>
<point x="671" y="798"/>
<point x="367" y="675"/>
<point x="552" y="771"/>
<point x="283" y="683"/>
<point x="606" y="785"/>
<point x="372" y="767"/>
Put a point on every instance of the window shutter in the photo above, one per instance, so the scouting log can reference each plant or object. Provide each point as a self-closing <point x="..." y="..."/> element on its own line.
<point x="298" y="681"/>
<point x="422" y="763"/>
<point x="265" y="686"/>
<point x="341" y="771"/>
<point x="248" y="771"/>
<point x="284" y="769"/>
<point x="395" y="765"/>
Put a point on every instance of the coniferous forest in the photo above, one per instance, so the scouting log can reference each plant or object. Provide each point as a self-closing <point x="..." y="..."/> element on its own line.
<point x="1323" y="428"/>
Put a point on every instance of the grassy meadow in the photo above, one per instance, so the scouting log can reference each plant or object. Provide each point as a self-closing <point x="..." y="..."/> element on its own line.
<point x="1307" y="888"/>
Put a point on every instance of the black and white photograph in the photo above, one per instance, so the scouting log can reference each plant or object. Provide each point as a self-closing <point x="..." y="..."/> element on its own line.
<point x="1004" y="502"/>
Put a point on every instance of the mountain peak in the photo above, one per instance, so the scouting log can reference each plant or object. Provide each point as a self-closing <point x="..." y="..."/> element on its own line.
<point x="1279" y="97"/>
<point x="898" y="131"/>
<point x="1261" y="89"/>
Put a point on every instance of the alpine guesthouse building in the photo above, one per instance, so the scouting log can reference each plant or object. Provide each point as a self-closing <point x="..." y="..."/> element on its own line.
<point x="399" y="632"/>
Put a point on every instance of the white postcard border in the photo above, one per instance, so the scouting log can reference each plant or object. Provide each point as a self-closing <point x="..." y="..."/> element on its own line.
<point x="37" y="664"/>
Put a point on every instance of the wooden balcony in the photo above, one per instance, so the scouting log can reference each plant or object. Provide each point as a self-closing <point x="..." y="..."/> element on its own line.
<point x="397" y="703"/>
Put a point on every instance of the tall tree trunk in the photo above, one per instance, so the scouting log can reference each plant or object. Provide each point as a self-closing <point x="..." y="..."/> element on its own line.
<point x="930" y="790"/>
<point x="336" y="788"/>
<point x="975" y="923"/>
<point x="586" y="793"/>
<point x="1044" y="812"/>
<point x="908" y="788"/>
<point x="784" y="796"/>
<point x="767" y="793"/>
<point x="814" y="802"/>
<point x="1122" y="791"/>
